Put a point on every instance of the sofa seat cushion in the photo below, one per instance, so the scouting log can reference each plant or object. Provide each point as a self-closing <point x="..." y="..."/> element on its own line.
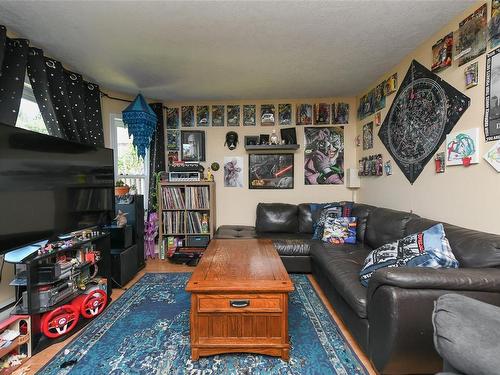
<point x="283" y="236"/>
<point x="235" y="231"/>
<point x="292" y="247"/>
<point x="341" y="264"/>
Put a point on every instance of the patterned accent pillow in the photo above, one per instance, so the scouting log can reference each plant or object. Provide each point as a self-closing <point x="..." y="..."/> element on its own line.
<point x="429" y="248"/>
<point x="328" y="210"/>
<point x="339" y="230"/>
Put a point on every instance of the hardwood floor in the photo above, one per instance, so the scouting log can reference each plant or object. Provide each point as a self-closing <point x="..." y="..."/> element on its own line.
<point x="39" y="360"/>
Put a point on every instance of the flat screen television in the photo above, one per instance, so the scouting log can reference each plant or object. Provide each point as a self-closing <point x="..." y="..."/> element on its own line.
<point x="50" y="186"/>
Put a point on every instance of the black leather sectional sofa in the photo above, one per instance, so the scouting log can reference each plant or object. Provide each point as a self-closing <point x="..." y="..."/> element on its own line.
<point x="391" y="319"/>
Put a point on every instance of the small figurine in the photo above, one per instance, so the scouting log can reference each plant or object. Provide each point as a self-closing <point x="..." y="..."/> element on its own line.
<point x="274" y="140"/>
<point x="210" y="176"/>
<point x="121" y="219"/>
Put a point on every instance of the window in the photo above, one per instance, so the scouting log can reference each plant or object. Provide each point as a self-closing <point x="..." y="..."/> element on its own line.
<point x="128" y="166"/>
<point x="29" y="116"/>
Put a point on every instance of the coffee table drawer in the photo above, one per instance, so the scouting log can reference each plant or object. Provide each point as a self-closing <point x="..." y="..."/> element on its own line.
<point x="240" y="303"/>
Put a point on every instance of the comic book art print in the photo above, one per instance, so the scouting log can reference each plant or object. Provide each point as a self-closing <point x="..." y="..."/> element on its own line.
<point x="285" y="114"/>
<point x="217" y="115"/>
<point x="249" y="115"/>
<point x="172" y="118"/>
<point x="379" y="97"/>
<point x="494" y="27"/>
<point x="492" y="156"/>
<point x="304" y="114"/>
<point x="433" y="106"/>
<point x="462" y="144"/>
<point x="202" y="115"/>
<point x="366" y="105"/>
<point x="472" y="32"/>
<point x="492" y="97"/>
<point x="391" y="84"/>
<point x="324" y="155"/>
<point x="187" y="116"/>
<point x="270" y="171"/>
<point x="322" y="114"/>
<point x="441" y="53"/>
<point x="173" y="140"/>
<point x="267" y="115"/>
<point x="233" y="115"/>
<point x="340" y="113"/>
<point x="233" y="171"/>
<point x="368" y="136"/>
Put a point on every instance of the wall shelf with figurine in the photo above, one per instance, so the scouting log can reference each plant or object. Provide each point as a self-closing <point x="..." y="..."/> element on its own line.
<point x="278" y="147"/>
<point x="186" y="213"/>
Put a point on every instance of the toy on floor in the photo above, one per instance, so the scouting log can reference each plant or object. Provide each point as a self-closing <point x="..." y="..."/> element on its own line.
<point x="60" y="321"/>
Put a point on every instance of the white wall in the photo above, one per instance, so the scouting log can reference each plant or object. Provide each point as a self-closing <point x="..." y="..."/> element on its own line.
<point x="462" y="196"/>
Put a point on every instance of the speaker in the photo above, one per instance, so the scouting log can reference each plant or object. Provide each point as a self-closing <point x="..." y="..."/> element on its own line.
<point x="135" y="218"/>
<point x="124" y="263"/>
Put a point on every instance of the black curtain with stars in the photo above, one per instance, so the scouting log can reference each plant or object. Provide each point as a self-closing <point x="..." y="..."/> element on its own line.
<point x="70" y="106"/>
<point x="15" y="55"/>
<point x="3" y="37"/>
<point x="156" y="155"/>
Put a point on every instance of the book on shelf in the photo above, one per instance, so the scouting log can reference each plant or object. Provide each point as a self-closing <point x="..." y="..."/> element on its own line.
<point x="172" y="198"/>
<point x="197" y="197"/>
<point x="197" y="222"/>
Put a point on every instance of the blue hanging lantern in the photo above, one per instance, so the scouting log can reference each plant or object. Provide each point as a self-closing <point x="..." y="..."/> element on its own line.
<point x="141" y="121"/>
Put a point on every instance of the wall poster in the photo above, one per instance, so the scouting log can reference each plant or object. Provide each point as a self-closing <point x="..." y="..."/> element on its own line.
<point x="233" y="171"/>
<point x="492" y="98"/>
<point x="270" y="171"/>
<point x="324" y="155"/>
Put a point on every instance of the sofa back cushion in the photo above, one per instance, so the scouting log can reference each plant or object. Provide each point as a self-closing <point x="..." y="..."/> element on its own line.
<point x="305" y="218"/>
<point x="385" y="225"/>
<point x="277" y="218"/>
<point x="472" y="248"/>
<point x="361" y="212"/>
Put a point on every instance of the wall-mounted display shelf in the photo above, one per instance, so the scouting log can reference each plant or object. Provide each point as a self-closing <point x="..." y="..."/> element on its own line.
<point x="271" y="147"/>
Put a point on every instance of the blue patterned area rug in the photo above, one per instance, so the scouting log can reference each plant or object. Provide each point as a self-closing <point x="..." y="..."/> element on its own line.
<point x="146" y="331"/>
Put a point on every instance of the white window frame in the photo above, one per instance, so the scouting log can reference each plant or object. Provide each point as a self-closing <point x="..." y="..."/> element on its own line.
<point x="113" y="119"/>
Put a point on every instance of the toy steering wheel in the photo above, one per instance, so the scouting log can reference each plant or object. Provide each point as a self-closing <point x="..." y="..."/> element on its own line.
<point x="94" y="303"/>
<point x="60" y="321"/>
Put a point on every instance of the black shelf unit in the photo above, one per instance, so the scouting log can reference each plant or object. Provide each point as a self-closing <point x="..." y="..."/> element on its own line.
<point x="101" y="242"/>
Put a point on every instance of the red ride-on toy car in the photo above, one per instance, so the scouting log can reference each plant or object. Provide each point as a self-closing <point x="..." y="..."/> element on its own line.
<point x="60" y="321"/>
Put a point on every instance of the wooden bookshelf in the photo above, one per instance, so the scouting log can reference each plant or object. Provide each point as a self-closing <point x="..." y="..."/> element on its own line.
<point x="178" y="205"/>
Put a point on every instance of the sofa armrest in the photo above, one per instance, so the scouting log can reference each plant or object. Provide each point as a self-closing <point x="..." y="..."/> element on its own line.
<point x="471" y="279"/>
<point x="401" y="332"/>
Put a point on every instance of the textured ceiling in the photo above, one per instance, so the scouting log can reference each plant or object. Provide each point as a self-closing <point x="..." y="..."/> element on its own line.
<point x="189" y="50"/>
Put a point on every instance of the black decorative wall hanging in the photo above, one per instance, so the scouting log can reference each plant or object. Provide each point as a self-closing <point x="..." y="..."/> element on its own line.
<point x="12" y="79"/>
<point x="156" y="155"/>
<point x="424" y="111"/>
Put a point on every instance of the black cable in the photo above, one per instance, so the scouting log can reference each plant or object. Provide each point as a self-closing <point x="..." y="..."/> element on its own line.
<point x="121" y="99"/>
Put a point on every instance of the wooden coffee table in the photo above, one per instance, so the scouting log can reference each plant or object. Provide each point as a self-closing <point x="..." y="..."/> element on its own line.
<point x="239" y="300"/>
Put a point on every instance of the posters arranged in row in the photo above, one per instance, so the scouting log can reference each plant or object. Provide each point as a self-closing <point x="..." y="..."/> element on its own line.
<point x="270" y="114"/>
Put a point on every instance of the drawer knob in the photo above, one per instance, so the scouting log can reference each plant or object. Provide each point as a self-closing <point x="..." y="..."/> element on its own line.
<point x="239" y="303"/>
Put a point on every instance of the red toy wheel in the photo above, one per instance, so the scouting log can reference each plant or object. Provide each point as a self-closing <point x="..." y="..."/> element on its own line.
<point x="94" y="303"/>
<point x="60" y="321"/>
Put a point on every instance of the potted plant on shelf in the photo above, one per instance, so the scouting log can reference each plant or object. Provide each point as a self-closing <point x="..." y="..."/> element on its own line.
<point x="121" y="188"/>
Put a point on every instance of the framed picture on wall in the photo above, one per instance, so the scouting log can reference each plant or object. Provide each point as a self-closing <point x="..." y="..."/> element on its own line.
<point x="492" y="102"/>
<point x="233" y="115"/>
<point x="249" y="115"/>
<point x="270" y="171"/>
<point x="192" y="145"/>
<point x="187" y="116"/>
<point x="202" y="115"/>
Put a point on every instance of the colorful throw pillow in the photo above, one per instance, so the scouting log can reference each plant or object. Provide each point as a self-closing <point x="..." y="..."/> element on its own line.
<point x="339" y="230"/>
<point x="328" y="210"/>
<point x="429" y="248"/>
<point x="319" y="213"/>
